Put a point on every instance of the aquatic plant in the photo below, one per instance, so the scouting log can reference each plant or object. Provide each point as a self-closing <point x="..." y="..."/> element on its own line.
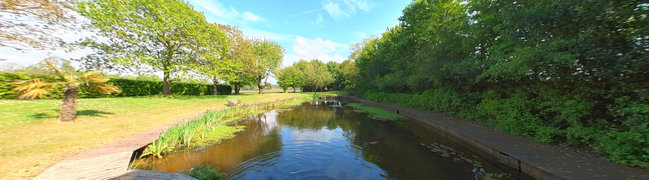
<point x="157" y="148"/>
<point x="202" y="172"/>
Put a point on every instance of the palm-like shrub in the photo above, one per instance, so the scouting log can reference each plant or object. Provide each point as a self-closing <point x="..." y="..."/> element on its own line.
<point x="70" y="81"/>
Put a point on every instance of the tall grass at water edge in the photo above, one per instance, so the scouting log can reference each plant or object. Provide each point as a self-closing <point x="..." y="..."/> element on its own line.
<point x="208" y="129"/>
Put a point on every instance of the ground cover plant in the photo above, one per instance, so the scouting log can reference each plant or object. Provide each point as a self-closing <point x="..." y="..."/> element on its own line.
<point x="376" y="112"/>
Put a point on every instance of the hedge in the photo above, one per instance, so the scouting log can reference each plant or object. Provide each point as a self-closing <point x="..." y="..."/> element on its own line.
<point x="128" y="87"/>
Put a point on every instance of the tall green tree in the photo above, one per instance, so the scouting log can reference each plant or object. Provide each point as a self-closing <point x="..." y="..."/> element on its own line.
<point x="71" y="81"/>
<point x="235" y="69"/>
<point x="290" y="77"/>
<point x="218" y="62"/>
<point x="556" y="71"/>
<point x="336" y="72"/>
<point x="317" y="76"/>
<point x="164" y="34"/>
<point x="349" y="73"/>
<point x="268" y="57"/>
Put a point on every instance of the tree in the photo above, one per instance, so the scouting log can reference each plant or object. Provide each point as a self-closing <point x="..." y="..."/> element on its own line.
<point x="71" y="81"/>
<point x="317" y="76"/>
<point x="349" y="73"/>
<point x="216" y="65"/>
<point x="335" y="69"/>
<point x="164" y="34"/>
<point x="268" y="56"/>
<point x="289" y="77"/>
<point x="236" y="68"/>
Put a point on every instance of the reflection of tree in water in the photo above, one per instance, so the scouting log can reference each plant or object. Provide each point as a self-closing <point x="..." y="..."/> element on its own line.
<point x="257" y="138"/>
<point x="392" y="146"/>
<point x="315" y="117"/>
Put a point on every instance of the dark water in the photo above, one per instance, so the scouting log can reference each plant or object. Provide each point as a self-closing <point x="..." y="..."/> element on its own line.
<point x="321" y="142"/>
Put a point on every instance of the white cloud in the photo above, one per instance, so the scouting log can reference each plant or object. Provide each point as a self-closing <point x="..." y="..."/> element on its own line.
<point x="308" y="49"/>
<point x="363" y="5"/>
<point x="250" y="16"/>
<point x="339" y="9"/>
<point x="256" y="33"/>
<point x="221" y="14"/>
<point x="334" y="10"/>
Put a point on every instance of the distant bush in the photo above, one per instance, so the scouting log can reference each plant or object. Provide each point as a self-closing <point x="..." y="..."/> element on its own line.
<point x="129" y="87"/>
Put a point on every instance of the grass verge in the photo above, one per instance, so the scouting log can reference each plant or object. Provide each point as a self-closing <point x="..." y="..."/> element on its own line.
<point x="376" y="112"/>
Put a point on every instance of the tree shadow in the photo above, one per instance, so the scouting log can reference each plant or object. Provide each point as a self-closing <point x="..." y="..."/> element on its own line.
<point x="41" y="116"/>
<point x="55" y="114"/>
<point x="190" y="97"/>
<point x="90" y="112"/>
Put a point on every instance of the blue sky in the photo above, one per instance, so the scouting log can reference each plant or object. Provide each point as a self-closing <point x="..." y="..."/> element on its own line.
<point x="307" y="29"/>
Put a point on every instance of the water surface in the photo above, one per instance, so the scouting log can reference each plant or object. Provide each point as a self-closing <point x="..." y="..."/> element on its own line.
<point x="316" y="141"/>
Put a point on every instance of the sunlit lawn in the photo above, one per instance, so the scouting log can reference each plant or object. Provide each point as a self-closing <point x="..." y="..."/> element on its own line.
<point x="32" y="138"/>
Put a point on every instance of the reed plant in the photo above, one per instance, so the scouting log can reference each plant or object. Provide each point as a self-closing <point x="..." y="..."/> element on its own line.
<point x="209" y="128"/>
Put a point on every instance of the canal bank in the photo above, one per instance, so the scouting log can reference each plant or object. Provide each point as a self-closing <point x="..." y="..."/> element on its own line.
<point x="541" y="161"/>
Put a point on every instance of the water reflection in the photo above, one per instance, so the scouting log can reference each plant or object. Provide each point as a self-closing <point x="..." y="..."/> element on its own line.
<point x="322" y="142"/>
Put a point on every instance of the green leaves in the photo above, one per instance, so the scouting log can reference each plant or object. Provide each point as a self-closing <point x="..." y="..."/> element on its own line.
<point x="167" y="35"/>
<point x="557" y="71"/>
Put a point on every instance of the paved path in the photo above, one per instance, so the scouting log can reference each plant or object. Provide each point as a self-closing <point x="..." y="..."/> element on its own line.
<point x="110" y="160"/>
<point x="541" y="161"/>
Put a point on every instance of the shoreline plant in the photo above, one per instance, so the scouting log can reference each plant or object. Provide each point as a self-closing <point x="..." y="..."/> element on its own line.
<point x="210" y="128"/>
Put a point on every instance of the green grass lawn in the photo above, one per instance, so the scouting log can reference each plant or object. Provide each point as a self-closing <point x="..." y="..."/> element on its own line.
<point x="33" y="138"/>
<point x="23" y="112"/>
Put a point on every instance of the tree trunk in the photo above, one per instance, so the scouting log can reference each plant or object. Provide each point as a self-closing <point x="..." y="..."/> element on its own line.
<point x="166" y="84"/>
<point x="68" y="109"/>
<point x="285" y="90"/>
<point x="293" y="89"/>
<point x="261" y="88"/>
<point x="215" y="87"/>
<point x="236" y="89"/>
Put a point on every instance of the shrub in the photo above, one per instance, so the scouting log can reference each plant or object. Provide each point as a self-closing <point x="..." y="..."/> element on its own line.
<point x="128" y="86"/>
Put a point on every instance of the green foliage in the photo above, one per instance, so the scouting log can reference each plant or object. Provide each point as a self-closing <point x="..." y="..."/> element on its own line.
<point x="212" y="127"/>
<point x="268" y="57"/>
<point x="569" y="72"/>
<point x="316" y="75"/>
<point x="128" y="87"/>
<point x="156" y="149"/>
<point x="167" y="35"/>
<point x="290" y="77"/>
<point x="376" y="112"/>
<point x="205" y="172"/>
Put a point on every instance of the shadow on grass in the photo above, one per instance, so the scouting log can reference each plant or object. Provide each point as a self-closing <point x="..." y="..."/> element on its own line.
<point x="42" y="115"/>
<point x="55" y="114"/>
<point x="90" y="112"/>
<point x="189" y="97"/>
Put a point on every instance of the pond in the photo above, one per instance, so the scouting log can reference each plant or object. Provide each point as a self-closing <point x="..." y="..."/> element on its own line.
<point x="317" y="141"/>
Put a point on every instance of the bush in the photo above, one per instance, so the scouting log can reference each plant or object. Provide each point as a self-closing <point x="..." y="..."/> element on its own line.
<point x="129" y="87"/>
<point x="545" y="115"/>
